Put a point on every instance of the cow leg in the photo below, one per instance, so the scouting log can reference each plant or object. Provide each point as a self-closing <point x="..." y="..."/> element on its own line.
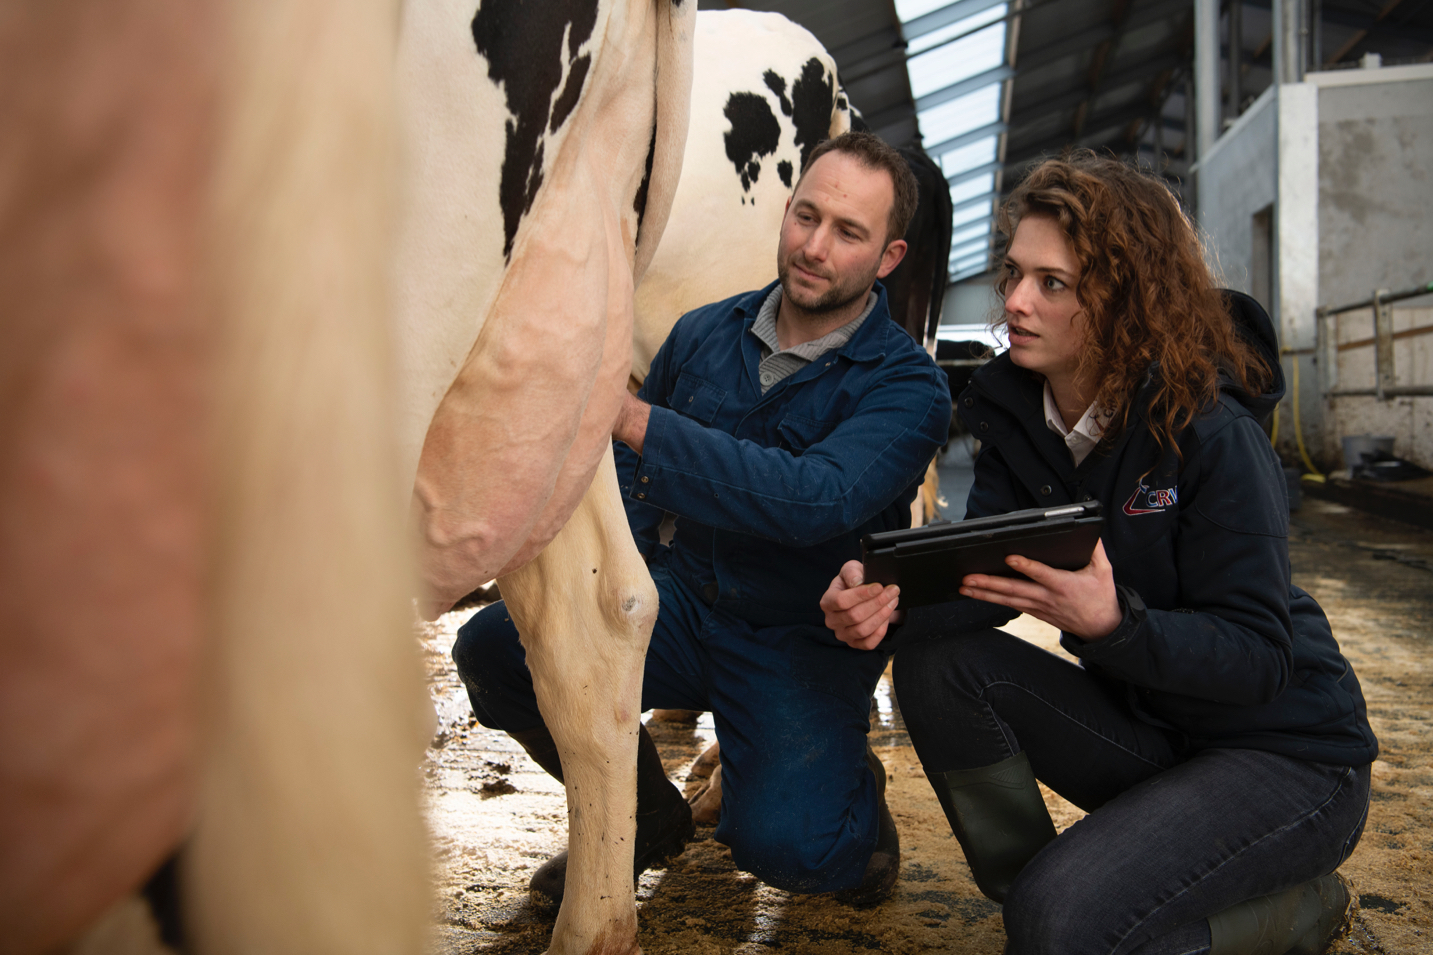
<point x="584" y="609"/>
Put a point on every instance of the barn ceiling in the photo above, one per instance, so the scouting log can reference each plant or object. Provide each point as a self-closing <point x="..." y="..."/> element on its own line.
<point x="989" y="86"/>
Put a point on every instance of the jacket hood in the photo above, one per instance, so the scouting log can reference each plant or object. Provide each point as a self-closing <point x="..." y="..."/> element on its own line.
<point x="1255" y="327"/>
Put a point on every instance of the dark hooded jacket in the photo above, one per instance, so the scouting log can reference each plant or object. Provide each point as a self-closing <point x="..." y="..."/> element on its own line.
<point x="1215" y="642"/>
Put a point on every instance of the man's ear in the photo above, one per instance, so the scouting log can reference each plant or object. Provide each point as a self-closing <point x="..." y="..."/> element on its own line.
<point x="895" y="251"/>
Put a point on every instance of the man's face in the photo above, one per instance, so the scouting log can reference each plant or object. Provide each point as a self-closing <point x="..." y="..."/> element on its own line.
<point x="833" y="237"/>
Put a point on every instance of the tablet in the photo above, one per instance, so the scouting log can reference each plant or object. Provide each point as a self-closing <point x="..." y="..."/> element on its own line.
<point x="928" y="563"/>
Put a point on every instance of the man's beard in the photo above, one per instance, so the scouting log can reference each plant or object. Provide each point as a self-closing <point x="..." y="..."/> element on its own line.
<point x="836" y="297"/>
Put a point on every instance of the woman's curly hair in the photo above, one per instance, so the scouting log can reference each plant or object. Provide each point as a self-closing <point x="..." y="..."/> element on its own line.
<point x="1147" y="296"/>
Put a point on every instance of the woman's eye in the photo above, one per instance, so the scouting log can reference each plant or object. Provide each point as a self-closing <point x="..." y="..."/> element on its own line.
<point x="1053" y="284"/>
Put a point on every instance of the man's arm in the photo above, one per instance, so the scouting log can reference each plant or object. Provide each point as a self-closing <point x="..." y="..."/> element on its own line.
<point x="834" y="485"/>
<point x="631" y="426"/>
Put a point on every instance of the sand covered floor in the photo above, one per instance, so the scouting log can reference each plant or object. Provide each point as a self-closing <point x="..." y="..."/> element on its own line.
<point x="495" y="816"/>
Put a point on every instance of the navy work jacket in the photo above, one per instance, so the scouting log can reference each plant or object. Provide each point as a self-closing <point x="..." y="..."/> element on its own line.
<point x="773" y="492"/>
<point x="1216" y="642"/>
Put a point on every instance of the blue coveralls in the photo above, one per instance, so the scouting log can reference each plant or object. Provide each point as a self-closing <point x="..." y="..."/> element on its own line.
<point x="772" y="494"/>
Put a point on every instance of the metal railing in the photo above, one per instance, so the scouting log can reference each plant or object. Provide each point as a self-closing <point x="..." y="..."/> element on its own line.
<point x="1382" y="342"/>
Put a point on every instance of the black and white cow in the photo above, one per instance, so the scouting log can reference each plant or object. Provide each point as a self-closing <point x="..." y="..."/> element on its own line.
<point x="764" y="93"/>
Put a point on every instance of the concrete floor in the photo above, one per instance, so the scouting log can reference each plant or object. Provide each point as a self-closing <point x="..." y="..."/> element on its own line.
<point x="495" y="816"/>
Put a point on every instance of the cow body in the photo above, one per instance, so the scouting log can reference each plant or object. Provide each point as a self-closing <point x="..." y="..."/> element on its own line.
<point x="563" y="123"/>
<point x="764" y="93"/>
<point x="205" y="582"/>
<point x="208" y="629"/>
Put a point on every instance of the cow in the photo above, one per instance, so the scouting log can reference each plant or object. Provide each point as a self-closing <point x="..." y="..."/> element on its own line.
<point x="764" y="93"/>
<point x="206" y="585"/>
<point x="208" y="441"/>
<point x="565" y="123"/>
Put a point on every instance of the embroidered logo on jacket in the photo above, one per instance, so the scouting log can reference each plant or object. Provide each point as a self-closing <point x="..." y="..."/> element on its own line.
<point x="1145" y="501"/>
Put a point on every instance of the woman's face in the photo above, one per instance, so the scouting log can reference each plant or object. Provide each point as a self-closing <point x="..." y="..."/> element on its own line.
<point x="1042" y="314"/>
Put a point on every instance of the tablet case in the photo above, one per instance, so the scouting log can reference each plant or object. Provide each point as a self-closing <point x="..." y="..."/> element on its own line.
<point x="929" y="562"/>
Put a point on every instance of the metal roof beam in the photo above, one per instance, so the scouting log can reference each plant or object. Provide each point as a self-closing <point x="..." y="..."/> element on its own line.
<point x="975" y="201"/>
<point x="965" y="139"/>
<point x="970" y="272"/>
<point x="969" y="174"/>
<point x="972" y="246"/>
<point x="945" y="16"/>
<point x="1137" y="73"/>
<point x="1122" y="116"/>
<point x="1087" y="40"/>
<point x="968" y="85"/>
<point x="1363" y="21"/>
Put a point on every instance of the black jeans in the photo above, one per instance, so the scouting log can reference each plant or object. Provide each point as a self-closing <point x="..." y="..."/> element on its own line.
<point x="1171" y="837"/>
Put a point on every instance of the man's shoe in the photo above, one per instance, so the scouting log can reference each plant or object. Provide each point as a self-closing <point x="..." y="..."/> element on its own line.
<point x="1304" y="920"/>
<point x="999" y="817"/>
<point x="885" y="866"/>
<point x="664" y="827"/>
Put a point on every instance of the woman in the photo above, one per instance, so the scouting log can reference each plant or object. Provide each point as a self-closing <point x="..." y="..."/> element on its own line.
<point x="1213" y="732"/>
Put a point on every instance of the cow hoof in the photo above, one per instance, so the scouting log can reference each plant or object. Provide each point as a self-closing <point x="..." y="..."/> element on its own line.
<point x="706" y="763"/>
<point x="685" y="717"/>
<point x="706" y="803"/>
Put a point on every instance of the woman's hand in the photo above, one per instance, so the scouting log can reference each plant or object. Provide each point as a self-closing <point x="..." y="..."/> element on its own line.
<point x="1081" y="602"/>
<point x="859" y="613"/>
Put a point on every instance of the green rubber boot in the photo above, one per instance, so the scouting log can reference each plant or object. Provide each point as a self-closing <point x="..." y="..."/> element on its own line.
<point x="1304" y="920"/>
<point x="999" y="817"/>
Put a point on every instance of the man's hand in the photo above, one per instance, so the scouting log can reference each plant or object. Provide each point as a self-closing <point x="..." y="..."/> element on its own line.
<point x="631" y="426"/>
<point x="860" y="614"/>
<point x="1081" y="602"/>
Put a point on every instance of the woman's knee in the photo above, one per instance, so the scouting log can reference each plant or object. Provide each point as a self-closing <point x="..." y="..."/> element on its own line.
<point x="1055" y="907"/>
<point x="931" y="671"/>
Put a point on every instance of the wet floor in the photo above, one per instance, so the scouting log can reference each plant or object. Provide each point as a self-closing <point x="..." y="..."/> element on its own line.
<point x="495" y="817"/>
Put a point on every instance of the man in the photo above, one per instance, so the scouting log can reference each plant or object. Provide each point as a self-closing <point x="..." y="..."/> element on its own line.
<point x="779" y="426"/>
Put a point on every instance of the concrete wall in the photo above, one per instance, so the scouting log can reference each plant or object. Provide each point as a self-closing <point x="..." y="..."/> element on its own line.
<point x="1408" y="420"/>
<point x="1235" y="181"/>
<point x="1376" y="231"/>
<point x="1375" y="182"/>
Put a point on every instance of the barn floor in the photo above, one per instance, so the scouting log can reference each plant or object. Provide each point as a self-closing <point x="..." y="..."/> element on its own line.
<point x="495" y="816"/>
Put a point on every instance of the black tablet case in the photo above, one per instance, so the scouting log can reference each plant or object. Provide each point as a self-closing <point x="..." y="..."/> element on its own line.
<point x="929" y="562"/>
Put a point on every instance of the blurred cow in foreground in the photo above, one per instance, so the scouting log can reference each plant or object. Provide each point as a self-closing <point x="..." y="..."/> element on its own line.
<point x="206" y="591"/>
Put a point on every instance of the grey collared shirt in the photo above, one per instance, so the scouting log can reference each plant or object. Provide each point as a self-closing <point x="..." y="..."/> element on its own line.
<point x="777" y="364"/>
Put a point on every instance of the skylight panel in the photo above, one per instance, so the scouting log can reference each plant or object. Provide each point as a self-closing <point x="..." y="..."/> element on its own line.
<point x="968" y="25"/>
<point x="910" y="9"/>
<point x="957" y="68"/>
<point x="962" y="236"/>
<point x="970" y="214"/>
<point x="957" y="61"/>
<point x="950" y="119"/>
<point x="959" y="160"/>
<point x="976" y="186"/>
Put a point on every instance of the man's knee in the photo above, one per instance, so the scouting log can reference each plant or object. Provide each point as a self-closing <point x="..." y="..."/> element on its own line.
<point x="493" y="668"/>
<point x="781" y="854"/>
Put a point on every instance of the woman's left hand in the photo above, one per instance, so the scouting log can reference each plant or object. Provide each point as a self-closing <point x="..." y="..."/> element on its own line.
<point x="1081" y="602"/>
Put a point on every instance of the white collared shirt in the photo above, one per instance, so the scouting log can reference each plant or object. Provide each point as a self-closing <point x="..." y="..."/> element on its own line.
<point x="1082" y="438"/>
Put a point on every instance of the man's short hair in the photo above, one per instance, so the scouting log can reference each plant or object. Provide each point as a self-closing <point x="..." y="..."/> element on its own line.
<point x="872" y="152"/>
